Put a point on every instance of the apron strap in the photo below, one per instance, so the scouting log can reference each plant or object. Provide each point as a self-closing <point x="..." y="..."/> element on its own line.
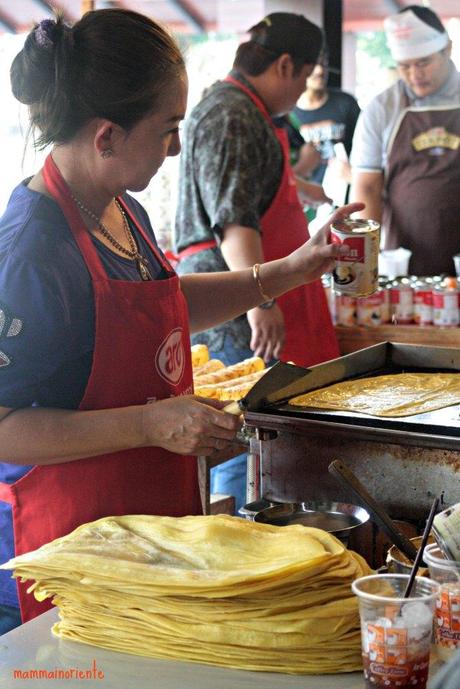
<point x="280" y="133"/>
<point x="254" y="97"/>
<point x="60" y="192"/>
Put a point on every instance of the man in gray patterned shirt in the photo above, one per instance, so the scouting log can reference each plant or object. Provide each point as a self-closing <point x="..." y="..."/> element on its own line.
<point x="238" y="204"/>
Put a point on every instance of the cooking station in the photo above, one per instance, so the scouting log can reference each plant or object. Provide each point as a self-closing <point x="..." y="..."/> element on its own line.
<point x="403" y="462"/>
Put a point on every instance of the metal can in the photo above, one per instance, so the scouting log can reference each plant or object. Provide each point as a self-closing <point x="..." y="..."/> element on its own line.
<point x="401" y="302"/>
<point x="385" y="285"/>
<point x="423" y="302"/>
<point x="446" y="529"/>
<point x="356" y="273"/>
<point x="445" y="307"/>
<point x="343" y="310"/>
<point x="369" y="310"/>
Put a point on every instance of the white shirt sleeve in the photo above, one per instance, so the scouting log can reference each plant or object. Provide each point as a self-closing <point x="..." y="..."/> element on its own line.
<point x="367" y="152"/>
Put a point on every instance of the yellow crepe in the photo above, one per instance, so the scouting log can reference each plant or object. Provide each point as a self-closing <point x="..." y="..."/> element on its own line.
<point x="400" y="394"/>
<point x="200" y="355"/>
<point x="215" y="589"/>
<point x="242" y="368"/>
<point x="233" y="389"/>
<point x="209" y="367"/>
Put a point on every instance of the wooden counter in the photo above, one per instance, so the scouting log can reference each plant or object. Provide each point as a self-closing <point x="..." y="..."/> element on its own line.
<point x="358" y="337"/>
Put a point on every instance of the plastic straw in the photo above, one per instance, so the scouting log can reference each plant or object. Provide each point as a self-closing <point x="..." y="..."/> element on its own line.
<point x="419" y="555"/>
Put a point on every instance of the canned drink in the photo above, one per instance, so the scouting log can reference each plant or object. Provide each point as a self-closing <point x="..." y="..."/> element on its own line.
<point x="445" y="307"/>
<point x="343" y="309"/>
<point x="401" y="302"/>
<point x="423" y="302"/>
<point x="369" y="309"/>
<point x="446" y="530"/>
<point x="356" y="273"/>
<point x="386" y="306"/>
<point x="384" y="285"/>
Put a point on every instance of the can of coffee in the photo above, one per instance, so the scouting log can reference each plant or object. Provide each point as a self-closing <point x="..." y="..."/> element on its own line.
<point x="369" y="310"/>
<point x="445" y="307"/>
<point x="402" y="301"/>
<point x="356" y="273"/>
<point x="423" y="302"/>
<point x="385" y="285"/>
<point x="343" y="310"/>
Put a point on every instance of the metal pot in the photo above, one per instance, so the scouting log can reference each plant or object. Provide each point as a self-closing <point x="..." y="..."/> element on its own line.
<point x="398" y="563"/>
<point x="338" y="518"/>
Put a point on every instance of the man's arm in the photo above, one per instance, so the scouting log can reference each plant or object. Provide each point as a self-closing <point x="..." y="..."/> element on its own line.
<point x="309" y="159"/>
<point x="311" y="193"/>
<point x="242" y="247"/>
<point x="367" y="187"/>
<point x="367" y="160"/>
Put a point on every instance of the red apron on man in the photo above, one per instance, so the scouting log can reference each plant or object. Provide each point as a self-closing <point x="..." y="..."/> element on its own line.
<point x="310" y="336"/>
<point x="141" y="353"/>
<point x="422" y="185"/>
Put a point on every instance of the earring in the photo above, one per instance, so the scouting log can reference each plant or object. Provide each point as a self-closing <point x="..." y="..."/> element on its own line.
<point x="108" y="153"/>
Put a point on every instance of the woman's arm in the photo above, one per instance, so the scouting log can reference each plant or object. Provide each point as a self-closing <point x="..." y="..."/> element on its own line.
<point x="184" y="424"/>
<point x="217" y="297"/>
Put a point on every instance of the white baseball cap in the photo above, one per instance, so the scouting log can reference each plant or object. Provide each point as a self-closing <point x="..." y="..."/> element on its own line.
<point x="410" y="38"/>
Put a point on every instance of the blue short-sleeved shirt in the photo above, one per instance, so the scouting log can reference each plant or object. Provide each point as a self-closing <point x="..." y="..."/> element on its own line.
<point x="47" y="319"/>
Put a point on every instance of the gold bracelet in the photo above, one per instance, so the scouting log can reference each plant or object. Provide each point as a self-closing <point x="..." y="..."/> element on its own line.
<point x="256" y="276"/>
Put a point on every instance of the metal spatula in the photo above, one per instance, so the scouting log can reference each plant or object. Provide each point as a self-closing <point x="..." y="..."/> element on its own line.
<point x="381" y="518"/>
<point x="276" y="385"/>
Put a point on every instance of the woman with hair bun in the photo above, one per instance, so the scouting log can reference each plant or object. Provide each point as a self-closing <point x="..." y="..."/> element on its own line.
<point x="97" y="412"/>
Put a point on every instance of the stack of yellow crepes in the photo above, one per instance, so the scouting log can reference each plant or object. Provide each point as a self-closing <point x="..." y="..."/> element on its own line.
<point x="211" y="378"/>
<point x="215" y="589"/>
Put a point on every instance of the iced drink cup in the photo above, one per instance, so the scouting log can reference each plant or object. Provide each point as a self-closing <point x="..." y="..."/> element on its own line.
<point x="395" y="631"/>
<point x="447" y="611"/>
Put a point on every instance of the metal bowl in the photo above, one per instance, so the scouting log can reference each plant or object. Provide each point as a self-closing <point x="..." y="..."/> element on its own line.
<point x="252" y="508"/>
<point x="338" y="518"/>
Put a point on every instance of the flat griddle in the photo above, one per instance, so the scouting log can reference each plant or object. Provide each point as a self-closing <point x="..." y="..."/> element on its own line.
<point x="382" y="359"/>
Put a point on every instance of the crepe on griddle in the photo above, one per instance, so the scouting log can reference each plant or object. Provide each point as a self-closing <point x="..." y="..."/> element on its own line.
<point x="211" y="589"/>
<point x="399" y="394"/>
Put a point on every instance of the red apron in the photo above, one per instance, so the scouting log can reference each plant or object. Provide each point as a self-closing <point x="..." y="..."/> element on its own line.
<point x="141" y="352"/>
<point x="310" y="335"/>
<point x="422" y="184"/>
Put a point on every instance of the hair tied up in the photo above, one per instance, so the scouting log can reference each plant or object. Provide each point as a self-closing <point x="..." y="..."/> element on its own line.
<point x="43" y="33"/>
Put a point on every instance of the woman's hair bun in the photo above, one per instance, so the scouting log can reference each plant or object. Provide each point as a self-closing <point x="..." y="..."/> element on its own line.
<point x="35" y="67"/>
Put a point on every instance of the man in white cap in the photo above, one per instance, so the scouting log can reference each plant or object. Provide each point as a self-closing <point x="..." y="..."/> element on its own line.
<point x="406" y="148"/>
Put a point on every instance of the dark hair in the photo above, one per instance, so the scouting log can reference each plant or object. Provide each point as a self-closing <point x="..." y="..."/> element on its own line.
<point x="426" y="15"/>
<point x="254" y="59"/>
<point x="112" y="64"/>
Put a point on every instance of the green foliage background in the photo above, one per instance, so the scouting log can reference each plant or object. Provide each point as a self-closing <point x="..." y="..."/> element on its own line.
<point x="374" y="44"/>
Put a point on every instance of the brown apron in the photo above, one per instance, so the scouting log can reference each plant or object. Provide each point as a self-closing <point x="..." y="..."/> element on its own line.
<point x="422" y="208"/>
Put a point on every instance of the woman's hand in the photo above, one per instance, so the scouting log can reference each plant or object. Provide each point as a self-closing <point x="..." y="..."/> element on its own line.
<point x="189" y="425"/>
<point x="317" y="256"/>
